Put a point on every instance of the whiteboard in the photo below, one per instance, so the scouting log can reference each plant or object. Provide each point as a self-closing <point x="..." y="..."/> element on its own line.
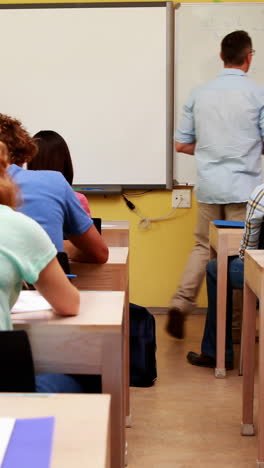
<point x="97" y="74"/>
<point x="199" y="30"/>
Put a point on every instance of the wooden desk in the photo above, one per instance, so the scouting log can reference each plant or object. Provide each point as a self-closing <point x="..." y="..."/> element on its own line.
<point x="110" y="276"/>
<point x="82" y="425"/>
<point x="90" y="343"/>
<point x="224" y="243"/>
<point x="116" y="233"/>
<point x="253" y="286"/>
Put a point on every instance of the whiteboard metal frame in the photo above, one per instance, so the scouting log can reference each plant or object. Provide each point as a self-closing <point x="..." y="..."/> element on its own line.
<point x="169" y="80"/>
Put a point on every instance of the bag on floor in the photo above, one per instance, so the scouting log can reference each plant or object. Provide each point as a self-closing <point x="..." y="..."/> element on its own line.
<point x="143" y="369"/>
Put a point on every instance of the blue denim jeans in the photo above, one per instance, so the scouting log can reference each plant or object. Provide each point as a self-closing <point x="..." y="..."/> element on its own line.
<point x="68" y="383"/>
<point x="234" y="281"/>
<point x="57" y="383"/>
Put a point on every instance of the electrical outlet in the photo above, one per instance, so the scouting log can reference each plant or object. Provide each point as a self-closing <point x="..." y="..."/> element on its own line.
<point x="181" y="198"/>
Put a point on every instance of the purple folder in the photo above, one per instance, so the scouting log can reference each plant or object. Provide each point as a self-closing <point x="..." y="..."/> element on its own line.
<point x="30" y="444"/>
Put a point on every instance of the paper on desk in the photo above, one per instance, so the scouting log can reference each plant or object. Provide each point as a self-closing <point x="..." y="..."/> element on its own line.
<point x="6" y="429"/>
<point x="30" y="444"/>
<point x="30" y="301"/>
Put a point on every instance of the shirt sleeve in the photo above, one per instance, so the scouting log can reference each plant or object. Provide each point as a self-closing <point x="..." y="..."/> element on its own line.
<point x="84" y="202"/>
<point x="34" y="249"/>
<point x="261" y="113"/>
<point x="185" y="132"/>
<point x="76" y="220"/>
<point x="253" y="223"/>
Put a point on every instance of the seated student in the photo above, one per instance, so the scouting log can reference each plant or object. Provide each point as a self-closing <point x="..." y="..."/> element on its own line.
<point x="27" y="253"/>
<point x="48" y="198"/>
<point x="252" y="239"/>
<point x="54" y="155"/>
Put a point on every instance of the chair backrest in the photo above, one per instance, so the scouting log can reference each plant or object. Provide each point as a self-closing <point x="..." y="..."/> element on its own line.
<point x="98" y="224"/>
<point x="64" y="262"/>
<point x="17" y="368"/>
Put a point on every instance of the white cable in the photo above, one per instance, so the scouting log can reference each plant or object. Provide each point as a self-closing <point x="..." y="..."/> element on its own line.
<point x="146" y="222"/>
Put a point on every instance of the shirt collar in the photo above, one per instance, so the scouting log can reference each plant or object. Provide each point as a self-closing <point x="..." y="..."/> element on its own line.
<point x="232" y="71"/>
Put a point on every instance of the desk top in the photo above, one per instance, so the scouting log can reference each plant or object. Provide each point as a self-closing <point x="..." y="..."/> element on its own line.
<point x="117" y="256"/>
<point x="98" y="309"/>
<point x="81" y="425"/>
<point x="229" y="238"/>
<point x="115" y="225"/>
<point x="257" y="256"/>
<point x="227" y="230"/>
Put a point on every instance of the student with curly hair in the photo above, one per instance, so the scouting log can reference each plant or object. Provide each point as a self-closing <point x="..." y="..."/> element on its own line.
<point x="48" y="198"/>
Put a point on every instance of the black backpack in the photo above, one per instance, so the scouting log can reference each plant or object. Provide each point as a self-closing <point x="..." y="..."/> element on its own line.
<point x="143" y="369"/>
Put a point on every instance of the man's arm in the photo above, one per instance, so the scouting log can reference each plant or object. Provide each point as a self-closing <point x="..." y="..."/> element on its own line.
<point x="187" y="148"/>
<point x="253" y="222"/>
<point x="87" y="247"/>
<point x="185" y="133"/>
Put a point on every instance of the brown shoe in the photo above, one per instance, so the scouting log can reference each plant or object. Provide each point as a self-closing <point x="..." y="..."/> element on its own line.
<point x="175" y="324"/>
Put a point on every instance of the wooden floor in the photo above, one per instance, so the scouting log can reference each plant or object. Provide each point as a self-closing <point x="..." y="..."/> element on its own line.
<point x="189" y="418"/>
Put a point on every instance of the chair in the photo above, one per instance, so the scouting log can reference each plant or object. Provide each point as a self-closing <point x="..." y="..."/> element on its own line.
<point x="64" y="262"/>
<point x="17" y="368"/>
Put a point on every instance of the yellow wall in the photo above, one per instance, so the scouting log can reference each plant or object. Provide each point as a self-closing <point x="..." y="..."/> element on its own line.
<point x="158" y="254"/>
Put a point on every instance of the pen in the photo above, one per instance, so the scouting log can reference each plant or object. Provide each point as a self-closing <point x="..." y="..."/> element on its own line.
<point x="71" y="276"/>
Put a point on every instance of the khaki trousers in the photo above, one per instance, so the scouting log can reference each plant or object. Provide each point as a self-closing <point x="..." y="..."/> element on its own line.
<point x="194" y="272"/>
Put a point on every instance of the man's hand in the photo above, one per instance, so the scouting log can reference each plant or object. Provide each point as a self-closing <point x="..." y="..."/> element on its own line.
<point x="187" y="148"/>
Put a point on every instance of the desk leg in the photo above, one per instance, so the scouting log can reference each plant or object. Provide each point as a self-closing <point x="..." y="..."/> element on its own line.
<point x="127" y="360"/>
<point x="113" y="383"/>
<point x="249" y="331"/>
<point x="220" y="371"/>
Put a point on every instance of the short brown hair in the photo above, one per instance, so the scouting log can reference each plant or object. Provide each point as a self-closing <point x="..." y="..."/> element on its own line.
<point x="20" y="145"/>
<point x="8" y="190"/>
<point x="235" y="47"/>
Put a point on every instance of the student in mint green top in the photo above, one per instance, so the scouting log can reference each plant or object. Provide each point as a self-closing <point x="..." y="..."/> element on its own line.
<point x="27" y="253"/>
<point x="25" y="250"/>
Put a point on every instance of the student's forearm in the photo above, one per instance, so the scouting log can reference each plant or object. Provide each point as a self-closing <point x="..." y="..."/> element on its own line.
<point x="75" y="254"/>
<point x="78" y="255"/>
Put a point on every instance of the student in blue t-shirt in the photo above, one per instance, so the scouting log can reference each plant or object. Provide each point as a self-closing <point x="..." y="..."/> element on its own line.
<point x="47" y="198"/>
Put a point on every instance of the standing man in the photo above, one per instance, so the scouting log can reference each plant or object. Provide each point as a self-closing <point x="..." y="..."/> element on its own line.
<point x="223" y="126"/>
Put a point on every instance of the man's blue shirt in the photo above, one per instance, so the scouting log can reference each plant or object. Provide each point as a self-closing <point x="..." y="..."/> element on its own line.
<point x="225" y="118"/>
<point x="49" y="199"/>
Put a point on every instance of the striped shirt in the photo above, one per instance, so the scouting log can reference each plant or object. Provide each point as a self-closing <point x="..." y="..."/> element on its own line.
<point x="254" y="220"/>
